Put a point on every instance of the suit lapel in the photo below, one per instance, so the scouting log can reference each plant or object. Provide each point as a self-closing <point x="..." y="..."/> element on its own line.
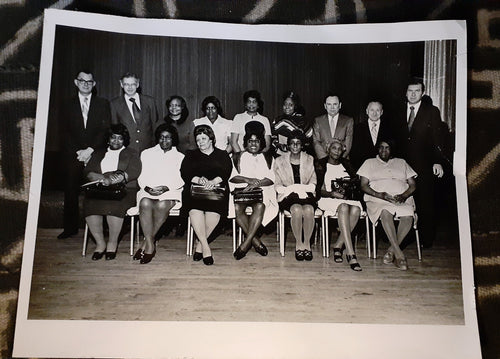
<point x="326" y="131"/>
<point x="127" y="116"/>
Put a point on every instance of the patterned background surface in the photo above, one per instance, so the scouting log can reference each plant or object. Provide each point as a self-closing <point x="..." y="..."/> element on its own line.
<point x="20" y="44"/>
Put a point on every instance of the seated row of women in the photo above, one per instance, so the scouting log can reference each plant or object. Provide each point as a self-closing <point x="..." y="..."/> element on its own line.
<point x="252" y="188"/>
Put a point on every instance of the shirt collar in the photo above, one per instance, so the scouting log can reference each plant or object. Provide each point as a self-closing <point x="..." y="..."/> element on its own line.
<point x="82" y="97"/>
<point x="415" y="105"/>
<point x="136" y="96"/>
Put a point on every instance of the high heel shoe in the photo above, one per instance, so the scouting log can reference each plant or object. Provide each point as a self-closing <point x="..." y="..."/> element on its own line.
<point x="110" y="255"/>
<point x="97" y="255"/>
<point x="146" y="258"/>
<point x="208" y="260"/>
<point x="299" y="255"/>
<point x="354" y="266"/>
<point x="337" y="254"/>
<point x="138" y="254"/>
<point x="308" y="255"/>
<point x="261" y="249"/>
<point x="239" y="253"/>
<point x="197" y="256"/>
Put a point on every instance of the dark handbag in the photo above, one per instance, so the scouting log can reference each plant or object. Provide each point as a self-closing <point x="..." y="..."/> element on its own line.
<point x="348" y="186"/>
<point x="200" y="192"/>
<point x="247" y="197"/>
<point x="97" y="190"/>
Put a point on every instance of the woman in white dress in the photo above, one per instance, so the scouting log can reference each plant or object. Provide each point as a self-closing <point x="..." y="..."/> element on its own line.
<point x="254" y="170"/>
<point x="333" y="201"/>
<point x="161" y="187"/>
<point x="389" y="183"/>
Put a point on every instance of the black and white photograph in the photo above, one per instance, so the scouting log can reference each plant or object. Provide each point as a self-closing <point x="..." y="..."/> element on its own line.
<point x="232" y="191"/>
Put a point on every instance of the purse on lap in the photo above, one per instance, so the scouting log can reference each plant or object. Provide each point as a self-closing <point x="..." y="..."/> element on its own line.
<point x="247" y="197"/>
<point x="348" y="186"/>
<point x="114" y="192"/>
<point x="200" y="192"/>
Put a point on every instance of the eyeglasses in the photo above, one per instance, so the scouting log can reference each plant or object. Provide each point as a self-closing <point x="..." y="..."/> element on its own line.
<point x="84" y="82"/>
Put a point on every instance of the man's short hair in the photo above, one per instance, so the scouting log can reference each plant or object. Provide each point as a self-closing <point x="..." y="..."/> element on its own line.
<point x="129" y="74"/>
<point x="85" y="71"/>
<point x="374" y="101"/>
<point x="331" y="94"/>
<point x="416" y="81"/>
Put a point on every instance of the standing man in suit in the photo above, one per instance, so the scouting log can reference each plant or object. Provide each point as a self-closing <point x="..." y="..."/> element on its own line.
<point x="85" y="118"/>
<point x="419" y="142"/>
<point x="325" y="128"/>
<point x="137" y="112"/>
<point x="368" y="133"/>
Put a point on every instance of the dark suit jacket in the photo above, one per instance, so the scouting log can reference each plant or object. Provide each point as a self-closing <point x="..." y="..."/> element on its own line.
<point x="422" y="146"/>
<point x="362" y="144"/>
<point x="322" y="134"/>
<point x="76" y="137"/>
<point x="128" y="162"/>
<point x="142" y="133"/>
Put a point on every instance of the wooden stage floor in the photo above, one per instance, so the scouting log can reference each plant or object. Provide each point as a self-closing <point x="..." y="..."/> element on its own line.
<point x="173" y="287"/>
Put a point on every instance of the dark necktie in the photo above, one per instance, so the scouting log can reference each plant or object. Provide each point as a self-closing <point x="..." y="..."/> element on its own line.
<point x="411" y="118"/>
<point x="135" y="110"/>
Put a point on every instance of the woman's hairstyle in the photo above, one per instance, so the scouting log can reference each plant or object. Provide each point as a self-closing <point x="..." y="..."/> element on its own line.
<point x="205" y="130"/>
<point x="389" y="141"/>
<point x="215" y="101"/>
<point x="256" y="95"/>
<point x="184" y="111"/>
<point x="336" y="140"/>
<point x="170" y="129"/>
<point x="118" y="129"/>
<point x="257" y="129"/>
<point x="296" y="134"/>
<point x="296" y="101"/>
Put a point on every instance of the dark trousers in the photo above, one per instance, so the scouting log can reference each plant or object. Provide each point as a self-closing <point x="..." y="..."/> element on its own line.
<point x="425" y="202"/>
<point x="73" y="177"/>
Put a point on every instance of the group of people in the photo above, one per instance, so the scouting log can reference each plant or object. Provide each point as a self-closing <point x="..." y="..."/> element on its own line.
<point x="249" y="168"/>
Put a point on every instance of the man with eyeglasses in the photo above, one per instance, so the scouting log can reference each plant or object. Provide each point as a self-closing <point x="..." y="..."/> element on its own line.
<point x="137" y="112"/>
<point x="84" y="119"/>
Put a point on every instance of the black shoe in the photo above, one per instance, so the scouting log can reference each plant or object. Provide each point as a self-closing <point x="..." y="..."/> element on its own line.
<point x="308" y="255"/>
<point x="299" y="255"/>
<point x="110" y="255"/>
<point x="180" y="230"/>
<point x="337" y="254"/>
<point x="208" y="260"/>
<point x="239" y="253"/>
<point x="97" y="255"/>
<point x="66" y="234"/>
<point x="261" y="249"/>
<point x="146" y="258"/>
<point x="197" y="256"/>
<point x="354" y="266"/>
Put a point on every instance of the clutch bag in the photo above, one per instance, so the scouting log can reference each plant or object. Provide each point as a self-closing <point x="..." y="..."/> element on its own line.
<point x="200" y="192"/>
<point x="348" y="186"/>
<point x="96" y="190"/>
<point x="247" y="197"/>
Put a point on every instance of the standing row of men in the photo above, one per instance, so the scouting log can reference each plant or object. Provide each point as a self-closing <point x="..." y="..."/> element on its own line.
<point x="416" y="132"/>
<point x="417" y="136"/>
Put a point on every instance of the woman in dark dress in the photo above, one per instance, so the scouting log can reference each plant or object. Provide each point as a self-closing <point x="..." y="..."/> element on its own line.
<point x="116" y="164"/>
<point x="292" y="119"/>
<point x="210" y="167"/>
<point x="177" y="116"/>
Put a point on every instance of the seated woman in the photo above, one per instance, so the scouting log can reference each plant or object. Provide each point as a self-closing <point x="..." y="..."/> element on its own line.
<point x="295" y="184"/>
<point x="116" y="164"/>
<point x="210" y="167"/>
<point x="161" y="187"/>
<point x="292" y="119"/>
<point x="214" y="117"/>
<point x="334" y="201"/>
<point x="253" y="170"/>
<point x="389" y="183"/>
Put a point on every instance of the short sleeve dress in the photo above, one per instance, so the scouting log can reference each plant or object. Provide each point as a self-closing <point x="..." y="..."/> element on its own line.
<point x="390" y="177"/>
<point x="330" y="205"/>
<point x="216" y="164"/>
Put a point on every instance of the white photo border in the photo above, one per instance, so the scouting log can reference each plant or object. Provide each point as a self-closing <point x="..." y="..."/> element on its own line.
<point x="79" y="338"/>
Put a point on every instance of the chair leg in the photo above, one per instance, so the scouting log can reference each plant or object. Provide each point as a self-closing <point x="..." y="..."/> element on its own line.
<point x="419" y="251"/>
<point x="132" y="235"/>
<point x="189" y="239"/>
<point x="281" y="232"/>
<point x="234" y="235"/>
<point x="368" y="243"/>
<point x="374" y="240"/>
<point x="85" y="237"/>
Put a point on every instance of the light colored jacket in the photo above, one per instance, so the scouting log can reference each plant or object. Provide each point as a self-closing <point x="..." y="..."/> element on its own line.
<point x="284" y="174"/>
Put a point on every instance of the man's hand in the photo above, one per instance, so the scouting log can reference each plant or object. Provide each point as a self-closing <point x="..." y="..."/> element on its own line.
<point x="84" y="155"/>
<point x="437" y="169"/>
